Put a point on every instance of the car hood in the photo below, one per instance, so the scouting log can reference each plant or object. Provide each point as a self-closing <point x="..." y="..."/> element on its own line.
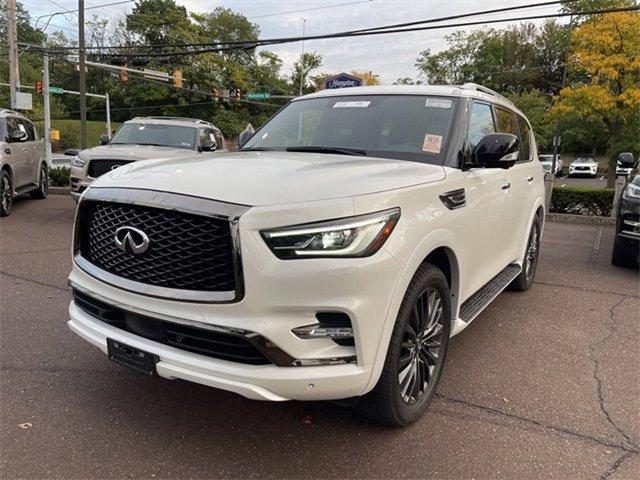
<point x="584" y="164"/>
<point x="269" y="178"/>
<point x="133" y="152"/>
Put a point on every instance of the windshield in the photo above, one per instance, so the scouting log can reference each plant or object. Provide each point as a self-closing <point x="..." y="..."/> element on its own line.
<point x="584" y="160"/>
<point x="545" y="158"/>
<point x="155" y="134"/>
<point x="407" y="127"/>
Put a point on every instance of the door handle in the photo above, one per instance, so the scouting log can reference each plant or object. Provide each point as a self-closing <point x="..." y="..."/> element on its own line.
<point x="506" y="186"/>
<point x="529" y="179"/>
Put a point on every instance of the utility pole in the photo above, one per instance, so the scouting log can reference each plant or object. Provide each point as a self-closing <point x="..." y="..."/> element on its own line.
<point x="106" y="99"/>
<point x="47" y="109"/>
<point x="14" y="66"/>
<point x="302" y="72"/>
<point x="82" y="77"/>
<point x="556" y="135"/>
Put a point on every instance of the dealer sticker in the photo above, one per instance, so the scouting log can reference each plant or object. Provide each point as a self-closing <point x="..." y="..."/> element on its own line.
<point x="438" y="103"/>
<point x="432" y="143"/>
<point x="352" y="104"/>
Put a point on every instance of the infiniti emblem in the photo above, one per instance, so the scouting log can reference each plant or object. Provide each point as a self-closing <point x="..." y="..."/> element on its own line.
<point x="131" y="240"/>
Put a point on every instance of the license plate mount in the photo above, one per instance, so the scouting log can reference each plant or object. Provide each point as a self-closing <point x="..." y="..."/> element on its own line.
<point x="134" y="358"/>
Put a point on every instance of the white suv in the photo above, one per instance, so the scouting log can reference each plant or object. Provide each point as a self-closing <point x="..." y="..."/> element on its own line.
<point x="331" y="258"/>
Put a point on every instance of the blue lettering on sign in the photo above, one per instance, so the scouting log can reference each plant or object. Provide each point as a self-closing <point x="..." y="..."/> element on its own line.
<point x="342" y="81"/>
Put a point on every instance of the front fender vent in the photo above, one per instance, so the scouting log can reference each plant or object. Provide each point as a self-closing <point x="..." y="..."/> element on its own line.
<point x="454" y="199"/>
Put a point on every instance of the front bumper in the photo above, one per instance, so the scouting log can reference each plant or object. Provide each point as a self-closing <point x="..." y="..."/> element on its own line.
<point x="280" y="296"/>
<point x="78" y="181"/>
<point x="591" y="171"/>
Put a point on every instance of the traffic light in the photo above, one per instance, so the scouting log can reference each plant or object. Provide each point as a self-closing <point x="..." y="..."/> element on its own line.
<point x="124" y="75"/>
<point x="177" y="78"/>
<point x="216" y="95"/>
<point x="237" y="94"/>
<point x="39" y="86"/>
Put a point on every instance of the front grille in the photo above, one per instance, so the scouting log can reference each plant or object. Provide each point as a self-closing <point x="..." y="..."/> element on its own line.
<point x="583" y="168"/>
<point x="226" y="346"/>
<point x="186" y="251"/>
<point x="100" y="167"/>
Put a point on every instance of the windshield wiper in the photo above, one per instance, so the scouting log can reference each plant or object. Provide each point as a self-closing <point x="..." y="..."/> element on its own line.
<point x="256" y="149"/>
<point x="339" y="150"/>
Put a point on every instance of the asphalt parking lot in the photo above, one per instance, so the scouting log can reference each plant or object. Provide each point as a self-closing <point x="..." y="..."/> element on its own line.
<point x="544" y="384"/>
<point x="599" y="181"/>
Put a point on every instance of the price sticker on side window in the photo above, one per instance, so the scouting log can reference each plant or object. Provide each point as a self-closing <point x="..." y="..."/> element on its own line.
<point x="432" y="143"/>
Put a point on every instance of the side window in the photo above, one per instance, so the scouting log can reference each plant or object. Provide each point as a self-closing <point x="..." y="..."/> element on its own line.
<point x="507" y="124"/>
<point x="525" y="139"/>
<point x="28" y="128"/>
<point x="12" y="126"/>
<point x="480" y="123"/>
<point x="206" y="135"/>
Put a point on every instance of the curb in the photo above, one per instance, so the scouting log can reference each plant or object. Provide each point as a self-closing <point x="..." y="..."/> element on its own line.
<point x="584" y="219"/>
<point x="59" y="190"/>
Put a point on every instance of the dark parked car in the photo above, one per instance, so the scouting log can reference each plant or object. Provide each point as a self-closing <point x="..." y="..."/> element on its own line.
<point x="626" y="247"/>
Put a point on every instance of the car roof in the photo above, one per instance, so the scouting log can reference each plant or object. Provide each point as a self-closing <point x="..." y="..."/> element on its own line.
<point x="468" y="90"/>
<point x="5" y="112"/>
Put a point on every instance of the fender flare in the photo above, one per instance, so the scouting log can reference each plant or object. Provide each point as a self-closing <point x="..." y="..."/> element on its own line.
<point x="439" y="238"/>
<point x="539" y="203"/>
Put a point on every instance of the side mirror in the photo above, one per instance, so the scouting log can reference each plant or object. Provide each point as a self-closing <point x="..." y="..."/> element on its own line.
<point x="104" y="139"/>
<point x="72" y="152"/>
<point x="244" y="137"/>
<point x="626" y="160"/>
<point x="497" y="150"/>
<point x="208" y="146"/>
<point x="17" y="136"/>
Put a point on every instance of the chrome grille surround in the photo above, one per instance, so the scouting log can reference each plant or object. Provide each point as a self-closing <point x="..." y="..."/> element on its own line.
<point x="174" y="203"/>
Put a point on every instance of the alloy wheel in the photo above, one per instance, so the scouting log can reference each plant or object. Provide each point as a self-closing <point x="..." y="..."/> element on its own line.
<point x="531" y="257"/>
<point x="420" y="352"/>
<point x="44" y="181"/>
<point x="5" y="194"/>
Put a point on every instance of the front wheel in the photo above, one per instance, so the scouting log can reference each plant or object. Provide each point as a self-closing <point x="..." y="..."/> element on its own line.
<point x="416" y="353"/>
<point x="523" y="281"/>
<point x="6" y="194"/>
<point x="43" y="189"/>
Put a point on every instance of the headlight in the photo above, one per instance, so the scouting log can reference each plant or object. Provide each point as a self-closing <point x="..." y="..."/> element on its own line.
<point x="78" y="162"/>
<point x="632" y="191"/>
<point x="358" y="236"/>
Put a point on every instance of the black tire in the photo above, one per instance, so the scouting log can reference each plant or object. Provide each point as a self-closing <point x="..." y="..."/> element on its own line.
<point x="398" y="400"/>
<point x="6" y="193"/>
<point x="524" y="280"/>
<point x="43" y="188"/>
<point x="621" y="258"/>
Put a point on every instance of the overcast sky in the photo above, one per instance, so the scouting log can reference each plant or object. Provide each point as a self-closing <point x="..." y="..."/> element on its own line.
<point x="390" y="56"/>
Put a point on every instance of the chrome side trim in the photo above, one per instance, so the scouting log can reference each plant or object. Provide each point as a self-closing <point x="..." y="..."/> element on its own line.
<point x="265" y="346"/>
<point x="173" y="202"/>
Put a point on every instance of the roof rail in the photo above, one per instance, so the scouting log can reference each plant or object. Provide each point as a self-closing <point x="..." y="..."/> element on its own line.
<point x="480" y="88"/>
<point x="10" y="112"/>
<point x="178" y="119"/>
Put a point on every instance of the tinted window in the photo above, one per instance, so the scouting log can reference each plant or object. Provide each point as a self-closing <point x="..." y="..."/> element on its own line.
<point x="12" y="126"/>
<point x="27" y="127"/>
<point x="407" y="127"/>
<point x="525" y="139"/>
<point x="480" y="123"/>
<point x="506" y="122"/>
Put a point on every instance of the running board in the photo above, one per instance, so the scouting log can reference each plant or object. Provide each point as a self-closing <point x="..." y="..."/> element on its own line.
<point x="477" y="302"/>
<point x="26" y="188"/>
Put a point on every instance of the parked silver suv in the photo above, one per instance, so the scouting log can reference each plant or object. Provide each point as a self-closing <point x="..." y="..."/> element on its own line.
<point x="140" y="139"/>
<point x="22" y="165"/>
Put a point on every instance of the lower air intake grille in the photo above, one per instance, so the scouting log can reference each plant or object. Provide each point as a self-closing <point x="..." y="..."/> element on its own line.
<point x="225" y="346"/>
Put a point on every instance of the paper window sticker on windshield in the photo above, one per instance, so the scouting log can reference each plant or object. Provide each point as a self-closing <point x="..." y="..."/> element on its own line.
<point x="352" y="104"/>
<point x="437" y="103"/>
<point x="432" y="143"/>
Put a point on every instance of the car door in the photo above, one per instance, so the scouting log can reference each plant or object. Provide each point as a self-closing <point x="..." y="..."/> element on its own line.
<point x="18" y="156"/>
<point x="488" y="197"/>
<point x="526" y="175"/>
<point x="34" y="152"/>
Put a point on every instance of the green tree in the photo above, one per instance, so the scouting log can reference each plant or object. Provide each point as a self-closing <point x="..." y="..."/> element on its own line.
<point x="307" y="62"/>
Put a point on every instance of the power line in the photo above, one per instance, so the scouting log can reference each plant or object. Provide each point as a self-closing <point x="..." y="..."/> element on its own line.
<point x="348" y="32"/>
<point x="309" y="9"/>
<point x="379" y="31"/>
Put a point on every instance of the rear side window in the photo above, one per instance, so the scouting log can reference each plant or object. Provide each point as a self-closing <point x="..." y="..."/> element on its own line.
<point x="480" y="123"/>
<point x="525" y="139"/>
<point x="506" y="122"/>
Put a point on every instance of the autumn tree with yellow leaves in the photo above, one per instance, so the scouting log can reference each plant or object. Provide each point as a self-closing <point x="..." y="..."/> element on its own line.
<point x="606" y="50"/>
